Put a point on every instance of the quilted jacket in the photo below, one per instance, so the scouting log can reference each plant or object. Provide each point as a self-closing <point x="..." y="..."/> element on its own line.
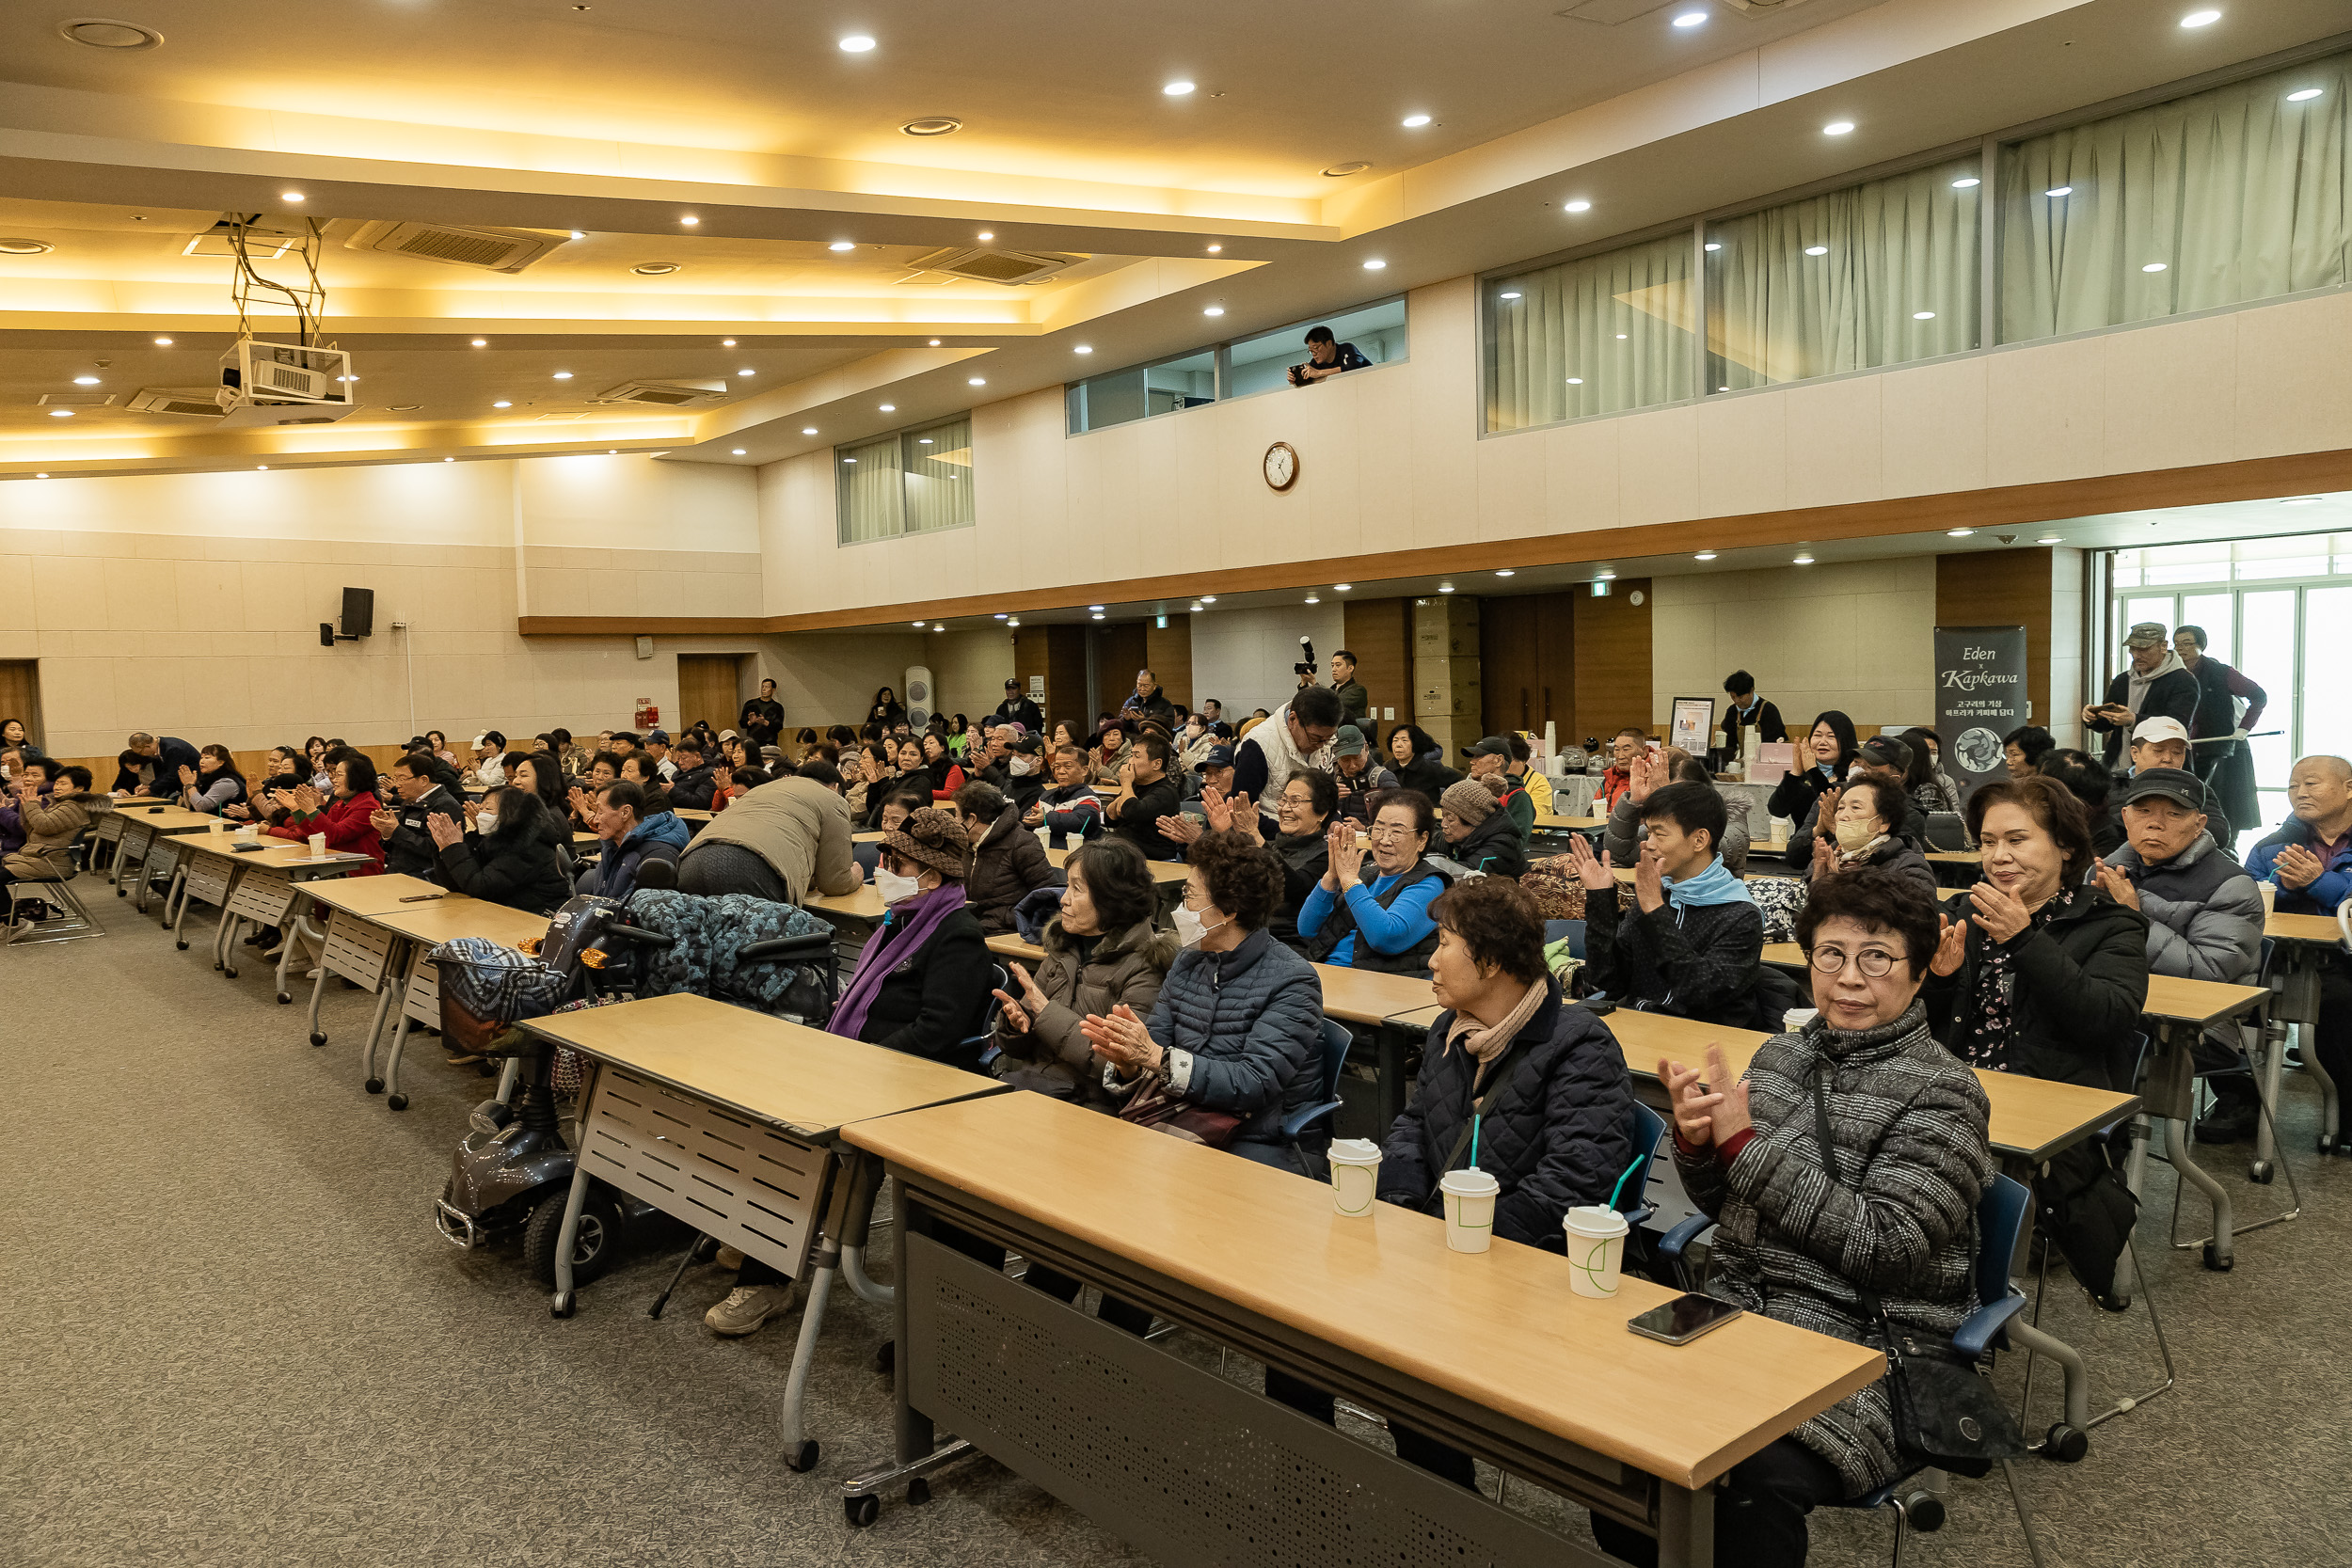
<point x="1243" y="1032"/>
<point x="1052" y="1055"/>
<point x="1008" y="865"/>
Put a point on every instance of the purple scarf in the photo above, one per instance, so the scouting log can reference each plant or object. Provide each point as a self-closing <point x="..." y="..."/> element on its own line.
<point x="904" y="930"/>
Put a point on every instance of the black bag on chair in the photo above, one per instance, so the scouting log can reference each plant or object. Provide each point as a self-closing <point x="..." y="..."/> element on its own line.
<point x="1946" y="1412"/>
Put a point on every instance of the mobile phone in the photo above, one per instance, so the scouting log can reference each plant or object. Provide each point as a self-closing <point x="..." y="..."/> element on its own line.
<point x="247" y="848"/>
<point x="420" y="897"/>
<point x="1683" y="1318"/>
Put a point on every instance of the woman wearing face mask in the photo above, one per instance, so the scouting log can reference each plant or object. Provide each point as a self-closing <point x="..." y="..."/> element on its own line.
<point x="1824" y="757"/>
<point x="1102" y="952"/>
<point x="2045" y="975"/>
<point x="506" y="857"/>
<point x="1420" y="762"/>
<point x="1194" y="743"/>
<point x="1864" y="835"/>
<point x="1383" y="924"/>
<point x="1237" y="1031"/>
<point x="921" y="983"/>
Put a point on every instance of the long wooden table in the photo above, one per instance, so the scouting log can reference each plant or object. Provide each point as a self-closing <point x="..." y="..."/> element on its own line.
<point x="266" y="886"/>
<point x="145" y="842"/>
<point x="730" y="1120"/>
<point x="1491" y="1352"/>
<point x="419" y="927"/>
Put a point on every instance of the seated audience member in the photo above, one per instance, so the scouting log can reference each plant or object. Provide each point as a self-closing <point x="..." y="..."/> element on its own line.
<point x="131" y="771"/>
<point x="1478" y="834"/>
<point x="1293" y="738"/>
<point x="1359" y="776"/>
<point x="1301" y="844"/>
<point x="2310" y="860"/>
<point x="638" y="768"/>
<point x="314" y="752"/>
<point x="2087" y="778"/>
<point x="1326" y="359"/>
<point x="438" y="742"/>
<point x="1491" y="758"/>
<point x="1882" y="757"/>
<point x="630" y="842"/>
<point x="164" y="759"/>
<point x="911" y="772"/>
<point x="1864" y="834"/>
<point x="1930" y="787"/>
<point x="740" y="782"/>
<point x="1692" y="940"/>
<point x="1630" y="742"/>
<point x="782" y="842"/>
<point x="286" y="769"/>
<point x="1524" y="775"/>
<point x="1238" y="1026"/>
<point x="1145" y="795"/>
<point x="1622" y="836"/>
<point x="408" y="849"/>
<point x="2164" y="743"/>
<point x="1419" y="762"/>
<point x="541" y="774"/>
<point x="657" y="750"/>
<point x="213" y="784"/>
<point x="1824" y="757"/>
<point x="489" y="759"/>
<point x="1214" y="771"/>
<point x="604" y="769"/>
<point x="15" y="737"/>
<point x="2154" y="684"/>
<point x="696" y="781"/>
<point x="1194" y="742"/>
<point x="621" y="742"/>
<point x="2204" y="917"/>
<point x="863" y="772"/>
<point x="1383" y="924"/>
<point x="2023" y="748"/>
<point x="1801" y="1239"/>
<point x="1102" y="952"/>
<point x="946" y="774"/>
<point x="506" y="859"/>
<point x="1112" y="743"/>
<point x="1007" y="862"/>
<point x="2045" y="976"/>
<point x="47" y="825"/>
<point x="347" y="817"/>
<point x="1024" y="770"/>
<point x="1067" y="808"/>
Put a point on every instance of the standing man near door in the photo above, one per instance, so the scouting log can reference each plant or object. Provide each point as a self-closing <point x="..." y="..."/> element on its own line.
<point x="762" y="718"/>
<point x="2154" y="685"/>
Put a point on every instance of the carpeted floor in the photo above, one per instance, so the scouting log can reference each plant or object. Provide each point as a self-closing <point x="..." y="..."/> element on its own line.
<point x="231" y="1336"/>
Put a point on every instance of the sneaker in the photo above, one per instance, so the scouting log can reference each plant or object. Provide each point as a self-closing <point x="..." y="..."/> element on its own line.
<point x="746" y="1307"/>
<point x="729" y="1258"/>
<point x="2229" y="1124"/>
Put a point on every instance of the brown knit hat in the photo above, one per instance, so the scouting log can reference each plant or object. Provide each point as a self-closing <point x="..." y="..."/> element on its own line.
<point x="935" y="838"/>
<point x="1468" y="802"/>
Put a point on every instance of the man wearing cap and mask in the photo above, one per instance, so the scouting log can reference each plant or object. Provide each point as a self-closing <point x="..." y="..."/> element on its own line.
<point x="1017" y="709"/>
<point x="2204" y="914"/>
<point x="1493" y="756"/>
<point x="2164" y="743"/>
<point x="2154" y="685"/>
<point x="1359" y="776"/>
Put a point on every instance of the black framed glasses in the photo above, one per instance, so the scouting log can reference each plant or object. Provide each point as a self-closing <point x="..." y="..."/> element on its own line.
<point x="1876" y="963"/>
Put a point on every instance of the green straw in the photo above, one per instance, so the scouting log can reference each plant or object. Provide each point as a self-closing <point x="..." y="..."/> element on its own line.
<point x="1639" y="1164"/>
<point x="1474" y="1124"/>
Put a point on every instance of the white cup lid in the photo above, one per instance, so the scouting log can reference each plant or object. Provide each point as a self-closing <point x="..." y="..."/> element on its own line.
<point x="1355" y="1151"/>
<point x="1594" y="1220"/>
<point x="1470" y="1183"/>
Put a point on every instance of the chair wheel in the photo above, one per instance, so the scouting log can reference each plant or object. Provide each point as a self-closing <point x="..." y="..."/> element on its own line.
<point x="803" y="1459"/>
<point x="397" y="1102"/>
<point x="229" y="973"/>
<point x="2065" y="1443"/>
<point x="375" y="1086"/>
<point x="886" y="1358"/>
<point x="182" y="946"/>
<point x="918" y="1491"/>
<point x="860" y="1512"/>
<point x="283" y="1000"/>
<point x="2219" y="1262"/>
<point x="1925" y="1512"/>
<point x="318" y="1040"/>
<point x="563" y="1305"/>
<point x="2260" y="1173"/>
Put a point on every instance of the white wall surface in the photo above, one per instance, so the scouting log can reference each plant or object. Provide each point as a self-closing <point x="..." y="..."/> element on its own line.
<point x="1242" y="658"/>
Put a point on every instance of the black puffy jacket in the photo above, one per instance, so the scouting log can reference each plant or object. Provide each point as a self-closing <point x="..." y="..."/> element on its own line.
<point x="1493" y="847"/>
<point x="1561" y="1138"/>
<point x="2081" y="978"/>
<point x="518" y="869"/>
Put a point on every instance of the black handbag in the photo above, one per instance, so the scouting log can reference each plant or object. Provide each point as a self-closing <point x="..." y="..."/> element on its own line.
<point x="1946" y="1412"/>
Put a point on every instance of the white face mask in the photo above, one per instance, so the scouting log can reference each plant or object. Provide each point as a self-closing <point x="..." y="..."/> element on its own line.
<point x="1020" y="767"/>
<point x="487" y="822"/>
<point x="894" y="887"/>
<point x="1190" y="928"/>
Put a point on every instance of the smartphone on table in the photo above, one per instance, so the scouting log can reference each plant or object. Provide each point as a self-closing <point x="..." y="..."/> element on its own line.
<point x="1683" y="1318"/>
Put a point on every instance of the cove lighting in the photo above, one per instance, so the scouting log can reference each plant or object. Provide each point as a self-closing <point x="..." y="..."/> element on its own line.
<point x="1692" y="19"/>
<point x="2047" y="539"/>
<point x="1511" y="293"/>
<point x="842" y="245"/>
<point x="1837" y="128"/>
<point x="1208" y="598"/>
<point x="858" y="44"/>
<point x="1958" y="532"/>
<point x="1704" y="555"/>
<point x="1177" y="89"/>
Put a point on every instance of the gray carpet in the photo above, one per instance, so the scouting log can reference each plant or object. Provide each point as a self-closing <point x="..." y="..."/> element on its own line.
<point x="231" y="1336"/>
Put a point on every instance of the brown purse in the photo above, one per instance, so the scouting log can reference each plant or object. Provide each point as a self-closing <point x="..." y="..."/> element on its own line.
<point x="1154" y="1106"/>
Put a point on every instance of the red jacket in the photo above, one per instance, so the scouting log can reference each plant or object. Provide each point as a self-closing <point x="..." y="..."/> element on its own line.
<point x="1613" y="784"/>
<point x="955" y="781"/>
<point x="347" y="828"/>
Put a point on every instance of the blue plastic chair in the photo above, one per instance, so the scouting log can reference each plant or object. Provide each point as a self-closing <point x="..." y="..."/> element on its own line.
<point x="1572" y="929"/>
<point x="985" y="1038"/>
<point x="1633" y="1189"/>
<point x="2001" y="1212"/>
<point x="1295" y="1125"/>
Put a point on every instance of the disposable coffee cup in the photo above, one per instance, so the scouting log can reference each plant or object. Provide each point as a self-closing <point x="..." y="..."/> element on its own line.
<point x="1596" y="1238"/>
<point x="1797" y="1018"/>
<point x="1469" y="1208"/>
<point x="1355" y="1175"/>
<point x="318" y="845"/>
<point x="2270" y="898"/>
<point x="248" y="833"/>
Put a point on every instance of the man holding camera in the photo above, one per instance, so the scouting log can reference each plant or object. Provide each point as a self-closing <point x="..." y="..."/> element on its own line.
<point x="1327" y="358"/>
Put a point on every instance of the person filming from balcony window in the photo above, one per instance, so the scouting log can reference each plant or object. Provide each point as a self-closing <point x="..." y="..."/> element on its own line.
<point x="1326" y="359"/>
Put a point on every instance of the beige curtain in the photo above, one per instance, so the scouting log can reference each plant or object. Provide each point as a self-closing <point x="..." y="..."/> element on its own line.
<point x="1595" y="335"/>
<point x="2240" y="193"/>
<point x="938" y="465"/>
<point x="867" y="483"/>
<point x="1874" y="275"/>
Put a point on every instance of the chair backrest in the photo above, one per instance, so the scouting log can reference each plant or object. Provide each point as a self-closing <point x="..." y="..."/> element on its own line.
<point x="1648" y="1128"/>
<point x="1572" y="929"/>
<point x="1946" y="829"/>
<point x="1335" y="1044"/>
<point x="2000" y="1219"/>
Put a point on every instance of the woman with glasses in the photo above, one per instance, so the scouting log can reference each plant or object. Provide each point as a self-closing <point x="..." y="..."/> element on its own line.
<point x="1383" y="924"/>
<point x="1303" y="815"/>
<point x="1847" y="1159"/>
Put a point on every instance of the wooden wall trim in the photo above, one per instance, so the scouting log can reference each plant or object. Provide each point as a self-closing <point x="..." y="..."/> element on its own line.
<point x="2054" y="501"/>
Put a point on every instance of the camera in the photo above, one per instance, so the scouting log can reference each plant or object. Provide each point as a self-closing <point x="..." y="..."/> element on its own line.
<point x="1306" y="666"/>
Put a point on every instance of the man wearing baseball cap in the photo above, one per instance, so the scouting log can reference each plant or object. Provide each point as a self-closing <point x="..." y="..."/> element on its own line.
<point x="1357" y="773"/>
<point x="1017" y="709"/>
<point x="1492" y="755"/>
<point x="2164" y="743"/>
<point x="2204" y="915"/>
<point x="2154" y="685"/>
<point x="658" y="747"/>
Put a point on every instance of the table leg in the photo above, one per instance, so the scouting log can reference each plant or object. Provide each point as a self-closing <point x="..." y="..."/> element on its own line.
<point x="565" y="1302"/>
<point x="298" y="931"/>
<point x="800" y="1449"/>
<point x="317" y="993"/>
<point x="179" y="921"/>
<point x="2299" y="1006"/>
<point x="176" y="893"/>
<point x="395" y="987"/>
<point x="1686" y="1527"/>
<point x="392" y="1096"/>
<point x="915" y="1438"/>
<point x="2217" y="1250"/>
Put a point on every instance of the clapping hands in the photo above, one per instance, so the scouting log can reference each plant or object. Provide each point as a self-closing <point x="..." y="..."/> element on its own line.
<point x="1705" y="1115"/>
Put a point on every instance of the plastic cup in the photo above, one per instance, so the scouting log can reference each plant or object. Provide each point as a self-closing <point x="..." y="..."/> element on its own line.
<point x="248" y="834"/>
<point x="1355" y="1175"/>
<point x="1469" y="1208"/>
<point x="1596" y="1238"/>
<point x="318" y="846"/>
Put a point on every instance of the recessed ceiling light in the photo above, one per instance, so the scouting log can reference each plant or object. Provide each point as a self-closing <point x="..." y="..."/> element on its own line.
<point x="1923" y="315"/>
<point x="1214" y="248"/>
<point x="925" y="441"/>
<point x="654" y="269"/>
<point x="503" y="403"/>
<point x="449" y="460"/>
<point x="580" y="233"/>
<point x="978" y="381"/>
<point x="1804" y="560"/>
<point x="856" y="44"/>
<point x="932" y="125"/>
<point x="1213" y="310"/>
<point x="848" y="460"/>
<point x="40" y="476"/>
<point x="1341" y="587"/>
<point x="1958" y="532"/>
<point x="1604" y="576"/>
<point x="1968" y="185"/>
<point x="1340" y="171"/>
<point x="1414" y="122"/>
<point x="1177" y="89"/>
<point x="1096" y="608"/>
<point x="24" y="247"/>
<point x="1817" y="250"/>
<point x="1374" y="264"/>
<point x="1621" y="337"/>
<point x="289" y="195"/>
<point x="934" y="343"/>
<point x="91" y="381"/>
<point x="808" y="430"/>
<point x="838" y="246"/>
<point x="1506" y="572"/>
<point x="727" y="342"/>
<point x="1713" y="245"/>
<point x="1445" y="588"/>
<point x="482" y="342"/>
<point x="920" y="624"/>
<point x="1692" y="19"/>
<point x="1509" y="293"/>
<point x="1314" y="599"/>
<point x="563" y="375"/>
<point x="1014" y="622"/>
<point x="1208" y="598"/>
<point x="1838" y="127"/>
<point x="890" y="409"/>
<point x="741" y="451"/>
<point x="937" y="627"/>
<point x="98" y="33"/>
<point x="2059" y="190"/>
<point x="690" y="220"/>
<point x="347" y="378"/>
<point x="986" y="235"/>
<point x="2047" y="539"/>
<point x="1704" y="555"/>
<point x="1083" y="348"/>
<point x="61" y="413"/>
<point x="610" y="452"/>
<point x="2200" y="19"/>
<point x="1578" y="207"/>
<point x="2153" y="267"/>
<point x="260" y="467"/>
<point x="163" y="342"/>
<point x="1722" y="388"/>
<point x="1000" y="615"/>
<point x="743" y="373"/>
<point x="1576" y="381"/>
<point x="2305" y="96"/>
<point x="1098" y="617"/>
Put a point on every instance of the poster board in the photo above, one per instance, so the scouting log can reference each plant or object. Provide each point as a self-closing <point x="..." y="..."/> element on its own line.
<point x="1979" y="698"/>
<point x="1693" y="726"/>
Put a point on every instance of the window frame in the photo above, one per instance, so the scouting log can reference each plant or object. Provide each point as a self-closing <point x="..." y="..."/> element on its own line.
<point x="902" y="435"/>
<point x="1223" y="351"/>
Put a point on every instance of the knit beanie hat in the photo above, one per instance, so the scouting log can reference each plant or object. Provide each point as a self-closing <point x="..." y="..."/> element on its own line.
<point x="1468" y="802"/>
<point x="935" y="838"/>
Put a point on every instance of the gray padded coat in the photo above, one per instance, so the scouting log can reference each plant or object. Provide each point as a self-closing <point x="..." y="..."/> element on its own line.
<point x="1244" y="1030"/>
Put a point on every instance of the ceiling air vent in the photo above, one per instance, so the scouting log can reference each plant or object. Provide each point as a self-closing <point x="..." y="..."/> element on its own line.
<point x="664" y="394"/>
<point x="493" y="250"/>
<point x="73" y="400"/>
<point x="999" y="266"/>
<point x="155" y="399"/>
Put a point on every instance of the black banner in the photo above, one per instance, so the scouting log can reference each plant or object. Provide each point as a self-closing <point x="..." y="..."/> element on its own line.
<point x="1980" y="697"/>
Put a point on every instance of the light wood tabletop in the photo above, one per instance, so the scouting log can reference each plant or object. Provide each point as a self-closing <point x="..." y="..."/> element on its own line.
<point x="687" y="814"/>
<point x="783" y="1073"/>
<point x="866" y="838"/>
<point x="2303" y="928"/>
<point x="1544" y="820"/>
<point x="277" y="854"/>
<point x="1499" y="1328"/>
<point x="2199" y="1001"/>
<point x="456" y="915"/>
<point x="1956" y="857"/>
<point x="1010" y="945"/>
<point x="369" y="897"/>
<point x="581" y="841"/>
<point x="1163" y="872"/>
<point x="1368" y="996"/>
<point x="166" y="818"/>
<point x="865" y="904"/>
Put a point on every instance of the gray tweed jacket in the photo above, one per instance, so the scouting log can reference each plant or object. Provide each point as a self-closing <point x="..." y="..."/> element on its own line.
<point x="1910" y="1125"/>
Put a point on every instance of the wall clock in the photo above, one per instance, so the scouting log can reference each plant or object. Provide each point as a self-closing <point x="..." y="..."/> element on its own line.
<point x="1281" y="466"/>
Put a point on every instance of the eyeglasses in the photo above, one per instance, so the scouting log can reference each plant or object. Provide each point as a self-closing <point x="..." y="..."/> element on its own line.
<point x="1876" y="963"/>
<point x="1390" y="829"/>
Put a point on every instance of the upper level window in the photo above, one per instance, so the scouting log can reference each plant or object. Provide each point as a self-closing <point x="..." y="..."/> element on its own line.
<point x="1360" y="339"/>
<point x="1597" y="335"/>
<point x="914" y="481"/>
